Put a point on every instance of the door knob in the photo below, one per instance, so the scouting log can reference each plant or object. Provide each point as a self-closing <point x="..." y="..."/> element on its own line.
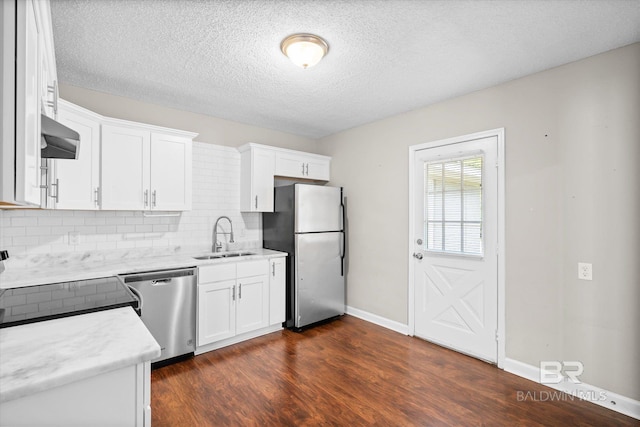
<point x="417" y="255"/>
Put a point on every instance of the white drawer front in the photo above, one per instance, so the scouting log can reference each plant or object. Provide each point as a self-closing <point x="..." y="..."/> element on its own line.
<point x="216" y="273"/>
<point x="253" y="268"/>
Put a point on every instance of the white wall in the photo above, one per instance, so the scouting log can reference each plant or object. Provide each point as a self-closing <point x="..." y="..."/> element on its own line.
<point x="210" y="129"/>
<point x="573" y="195"/>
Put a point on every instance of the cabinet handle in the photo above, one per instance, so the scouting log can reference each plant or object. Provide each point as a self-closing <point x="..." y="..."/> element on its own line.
<point x="53" y="89"/>
<point x="273" y="269"/>
<point x="307" y="169"/>
<point x="57" y="195"/>
<point x="153" y="198"/>
<point x="303" y="169"/>
<point x="96" y="198"/>
<point x="239" y="290"/>
<point x="256" y="202"/>
<point x="146" y="198"/>
<point x="233" y="293"/>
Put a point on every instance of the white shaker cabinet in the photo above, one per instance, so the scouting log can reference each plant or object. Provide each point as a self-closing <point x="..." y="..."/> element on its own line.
<point x="77" y="181"/>
<point x="253" y="296"/>
<point x="296" y="164"/>
<point x="234" y="302"/>
<point x="27" y="107"/>
<point x="260" y="164"/>
<point x="116" y="398"/>
<point x="216" y="311"/>
<point x="143" y="169"/>
<point x="277" y="290"/>
<point x="125" y="168"/>
<point x="256" y="180"/>
<point x="171" y="172"/>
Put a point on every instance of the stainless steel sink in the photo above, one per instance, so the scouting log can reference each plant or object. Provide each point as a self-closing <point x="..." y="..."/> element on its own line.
<point x="224" y="255"/>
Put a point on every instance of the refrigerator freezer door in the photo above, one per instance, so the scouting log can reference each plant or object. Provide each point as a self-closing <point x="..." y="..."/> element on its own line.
<point x="319" y="285"/>
<point x="318" y="208"/>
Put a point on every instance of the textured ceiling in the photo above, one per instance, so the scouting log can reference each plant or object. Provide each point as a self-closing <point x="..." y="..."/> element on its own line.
<point x="222" y="58"/>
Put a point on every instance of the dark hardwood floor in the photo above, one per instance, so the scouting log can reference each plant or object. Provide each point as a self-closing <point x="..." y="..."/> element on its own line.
<point x="352" y="373"/>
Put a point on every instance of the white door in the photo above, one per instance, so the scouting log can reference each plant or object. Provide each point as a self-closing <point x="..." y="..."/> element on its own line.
<point x="170" y="172"/>
<point x="216" y="311"/>
<point x="125" y="168"/>
<point x="455" y="246"/>
<point x="78" y="179"/>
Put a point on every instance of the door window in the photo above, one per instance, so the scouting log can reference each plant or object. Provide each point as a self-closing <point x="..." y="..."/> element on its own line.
<point x="453" y="206"/>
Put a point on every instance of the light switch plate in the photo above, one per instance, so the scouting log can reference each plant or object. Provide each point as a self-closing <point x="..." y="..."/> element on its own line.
<point x="585" y="271"/>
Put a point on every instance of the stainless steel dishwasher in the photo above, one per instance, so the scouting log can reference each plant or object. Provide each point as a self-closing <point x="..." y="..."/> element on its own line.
<point x="167" y="308"/>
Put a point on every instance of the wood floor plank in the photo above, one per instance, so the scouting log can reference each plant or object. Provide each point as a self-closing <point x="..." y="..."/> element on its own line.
<point x="353" y="373"/>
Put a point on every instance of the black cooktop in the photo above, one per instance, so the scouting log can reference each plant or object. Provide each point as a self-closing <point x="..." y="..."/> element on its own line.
<point x="29" y="304"/>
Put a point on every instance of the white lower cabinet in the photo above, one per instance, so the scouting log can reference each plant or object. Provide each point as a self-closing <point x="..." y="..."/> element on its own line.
<point x="238" y="301"/>
<point x="118" y="398"/>
<point x="277" y="291"/>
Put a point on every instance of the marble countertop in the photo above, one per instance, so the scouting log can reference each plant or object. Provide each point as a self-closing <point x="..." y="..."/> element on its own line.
<point x="64" y="270"/>
<point x="40" y="356"/>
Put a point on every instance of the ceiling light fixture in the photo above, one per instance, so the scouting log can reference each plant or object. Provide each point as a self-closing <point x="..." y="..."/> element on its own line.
<point x="304" y="50"/>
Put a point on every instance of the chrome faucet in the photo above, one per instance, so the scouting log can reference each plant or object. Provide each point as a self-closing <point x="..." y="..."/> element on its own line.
<point x="217" y="245"/>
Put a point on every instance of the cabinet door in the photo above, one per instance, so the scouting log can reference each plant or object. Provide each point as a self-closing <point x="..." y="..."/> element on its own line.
<point x="277" y="291"/>
<point x="216" y="311"/>
<point x="252" y="304"/>
<point x="28" y="81"/>
<point x="78" y="180"/>
<point x="290" y="165"/>
<point x="318" y="168"/>
<point x="256" y="180"/>
<point x="125" y="168"/>
<point x="170" y="172"/>
<point x="301" y="165"/>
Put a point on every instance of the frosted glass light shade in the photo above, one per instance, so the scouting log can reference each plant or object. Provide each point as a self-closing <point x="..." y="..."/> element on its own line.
<point x="304" y="50"/>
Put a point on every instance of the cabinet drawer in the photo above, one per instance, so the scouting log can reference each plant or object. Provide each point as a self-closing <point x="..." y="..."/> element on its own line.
<point x="253" y="268"/>
<point x="216" y="273"/>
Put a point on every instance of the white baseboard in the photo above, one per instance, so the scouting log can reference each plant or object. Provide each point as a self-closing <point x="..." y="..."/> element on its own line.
<point x="237" y="339"/>
<point x="378" y="320"/>
<point x="590" y="393"/>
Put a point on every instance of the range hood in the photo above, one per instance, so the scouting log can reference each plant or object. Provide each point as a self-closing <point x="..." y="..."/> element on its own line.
<point x="57" y="140"/>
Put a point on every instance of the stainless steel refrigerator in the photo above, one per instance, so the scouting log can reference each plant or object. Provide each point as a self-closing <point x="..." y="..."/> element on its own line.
<point x="308" y="224"/>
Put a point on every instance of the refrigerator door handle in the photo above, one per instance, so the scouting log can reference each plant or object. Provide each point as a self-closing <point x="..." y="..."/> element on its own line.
<point x="344" y="241"/>
<point x="342" y="253"/>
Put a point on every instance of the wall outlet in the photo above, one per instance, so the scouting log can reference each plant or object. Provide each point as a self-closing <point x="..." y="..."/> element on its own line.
<point x="73" y="238"/>
<point x="585" y="271"/>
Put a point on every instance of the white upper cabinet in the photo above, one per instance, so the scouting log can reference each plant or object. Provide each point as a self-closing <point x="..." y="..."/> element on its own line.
<point x="125" y="168"/>
<point x="261" y="163"/>
<point x="256" y="180"/>
<point x="122" y="165"/>
<point x="77" y="181"/>
<point x="28" y="71"/>
<point x="171" y="172"/>
<point x="302" y="165"/>
<point x="145" y="168"/>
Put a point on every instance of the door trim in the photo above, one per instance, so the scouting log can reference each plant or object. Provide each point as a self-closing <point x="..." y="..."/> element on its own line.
<point x="499" y="133"/>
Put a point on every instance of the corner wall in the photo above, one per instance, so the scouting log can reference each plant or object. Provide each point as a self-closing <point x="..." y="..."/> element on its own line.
<point x="572" y="195"/>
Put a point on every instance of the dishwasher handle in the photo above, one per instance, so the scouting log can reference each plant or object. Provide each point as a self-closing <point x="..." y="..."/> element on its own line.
<point x="138" y="296"/>
<point x="159" y="275"/>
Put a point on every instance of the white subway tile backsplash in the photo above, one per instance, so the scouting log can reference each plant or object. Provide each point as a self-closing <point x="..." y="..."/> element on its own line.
<point x="216" y="192"/>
